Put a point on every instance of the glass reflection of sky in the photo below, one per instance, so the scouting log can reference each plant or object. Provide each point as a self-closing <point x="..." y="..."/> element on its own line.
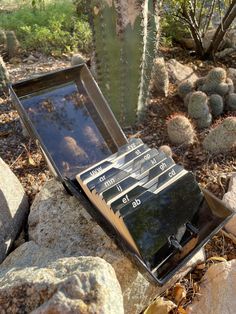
<point x="66" y="127"/>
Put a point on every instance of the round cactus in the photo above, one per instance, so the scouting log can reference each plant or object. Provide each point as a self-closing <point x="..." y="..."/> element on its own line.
<point x="231" y="102"/>
<point x="186" y="99"/>
<point x="230" y="85"/>
<point x="77" y="59"/>
<point x="200" y="82"/>
<point x="197" y="106"/>
<point x="180" y="130"/>
<point x="221" y="89"/>
<point x="216" y="75"/>
<point x="216" y="104"/>
<point x="166" y="150"/>
<point x="222" y="138"/>
<point x="204" y="122"/>
<point x="185" y="88"/>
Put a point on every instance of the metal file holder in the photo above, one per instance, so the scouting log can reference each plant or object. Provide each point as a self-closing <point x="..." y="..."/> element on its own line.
<point x="56" y="91"/>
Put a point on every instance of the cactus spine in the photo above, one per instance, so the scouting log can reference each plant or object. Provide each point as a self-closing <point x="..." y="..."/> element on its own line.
<point x="124" y="35"/>
<point x="4" y="78"/>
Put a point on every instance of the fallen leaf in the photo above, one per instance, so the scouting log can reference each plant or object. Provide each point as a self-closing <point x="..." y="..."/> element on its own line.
<point x="217" y="259"/>
<point x="179" y="293"/>
<point x="160" y="306"/>
<point x="181" y="310"/>
<point x="31" y="161"/>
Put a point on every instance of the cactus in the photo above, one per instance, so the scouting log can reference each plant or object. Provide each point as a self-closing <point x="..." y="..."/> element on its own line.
<point x="197" y="106"/>
<point x="187" y="98"/>
<point x="12" y="44"/>
<point x="166" y="150"/>
<point x="4" y="78"/>
<point x="124" y="36"/>
<point x="3" y="39"/>
<point x="77" y="59"/>
<point x="160" y="76"/>
<point x="231" y="102"/>
<point x="200" y="82"/>
<point x="215" y="83"/>
<point x="205" y="121"/>
<point x="217" y="76"/>
<point x="222" y="138"/>
<point x="185" y="88"/>
<point x="230" y="85"/>
<point x="216" y="104"/>
<point x="180" y="130"/>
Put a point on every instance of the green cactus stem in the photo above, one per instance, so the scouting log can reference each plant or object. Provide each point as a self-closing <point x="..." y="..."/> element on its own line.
<point x="216" y="104"/>
<point x="197" y="106"/>
<point x="4" y="77"/>
<point x="231" y="102"/>
<point x="124" y="34"/>
<point x="12" y="44"/>
<point x="185" y="88"/>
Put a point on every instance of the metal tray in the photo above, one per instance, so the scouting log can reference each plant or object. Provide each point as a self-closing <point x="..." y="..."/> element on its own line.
<point x="64" y="108"/>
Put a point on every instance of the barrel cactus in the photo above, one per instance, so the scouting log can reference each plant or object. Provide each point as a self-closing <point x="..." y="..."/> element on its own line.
<point x="200" y="82"/>
<point x="77" y="59"/>
<point x="3" y="39"/>
<point x="4" y="78"/>
<point x="215" y="82"/>
<point x="231" y="102"/>
<point x="185" y="88"/>
<point x="222" y="138"/>
<point x="230" y="85"/>
<point x="160" y="76"/>
<point x="197" y="106"/>
<point x="216" y="104"/>
<point x="124" y="36"/>
<point x="12" y="44"/>
<point x="180" y="130"/>
<point x="166" y="150"/>
<point x="216" y="75"/>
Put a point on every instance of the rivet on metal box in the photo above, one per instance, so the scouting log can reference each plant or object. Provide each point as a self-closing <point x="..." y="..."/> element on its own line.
<point x="152" y="208"/>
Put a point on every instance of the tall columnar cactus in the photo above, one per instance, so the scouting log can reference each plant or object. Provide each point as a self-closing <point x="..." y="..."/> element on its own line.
<point x="4" y="78"/>
<point x="125" y="34"/>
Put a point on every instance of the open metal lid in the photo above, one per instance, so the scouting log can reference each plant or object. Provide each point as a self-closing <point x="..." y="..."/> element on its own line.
<point x="70" y="118"/>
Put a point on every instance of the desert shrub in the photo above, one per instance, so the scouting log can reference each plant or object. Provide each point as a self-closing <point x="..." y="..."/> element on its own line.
<point x="56" y="28"/>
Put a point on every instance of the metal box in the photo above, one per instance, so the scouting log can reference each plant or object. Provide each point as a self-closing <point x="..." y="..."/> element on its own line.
<point x="69" y="104"/>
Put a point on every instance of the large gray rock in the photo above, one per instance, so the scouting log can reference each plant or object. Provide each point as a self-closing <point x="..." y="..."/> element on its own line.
<point x="179" y="72"/>
<point x="217" y="291"/>
<point x="60" y="222"/>
<point x="13" y="208"/>
<point x="36" y="279"/>
<point x="230" y="199"/>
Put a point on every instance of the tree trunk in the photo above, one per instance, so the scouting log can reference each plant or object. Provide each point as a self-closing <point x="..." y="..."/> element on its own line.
<point x="221" y="30"/>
